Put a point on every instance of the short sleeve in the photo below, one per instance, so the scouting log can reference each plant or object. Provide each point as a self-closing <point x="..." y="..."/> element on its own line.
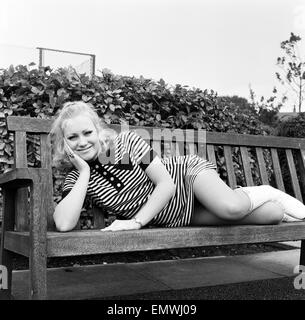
<point x="69" y="182"/>
<point x="139" y="149"/>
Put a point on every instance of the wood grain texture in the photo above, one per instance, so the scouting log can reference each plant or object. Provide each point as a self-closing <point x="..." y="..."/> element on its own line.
<point x="230" y="166"/>
<point x="98" y="218"/>
<point x="277" y="170"/>
<point x="293" y="175"/>
<point x="38" y="239"/>
<point x="21" y="200"/>
<point x="262" y="165"/>
<point x="246" y="166"/>
<point x="211" y="153"/>
<point x="94" y="241"/>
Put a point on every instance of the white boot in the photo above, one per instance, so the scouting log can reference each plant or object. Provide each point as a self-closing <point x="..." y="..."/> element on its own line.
<point x="261" y="194"/>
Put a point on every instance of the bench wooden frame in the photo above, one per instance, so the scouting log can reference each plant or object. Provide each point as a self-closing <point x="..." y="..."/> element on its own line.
<point x="30" y="231"/>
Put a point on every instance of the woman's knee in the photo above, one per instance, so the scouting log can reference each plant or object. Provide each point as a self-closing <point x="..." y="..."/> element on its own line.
<point x="274" y="212"/>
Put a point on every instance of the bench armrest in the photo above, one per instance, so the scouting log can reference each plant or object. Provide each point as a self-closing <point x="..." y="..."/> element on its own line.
<point x="22" y="177"/>
<point x="39" y="180"/>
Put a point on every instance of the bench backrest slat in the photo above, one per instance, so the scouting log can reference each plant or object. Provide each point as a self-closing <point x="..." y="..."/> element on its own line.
<point x="45" y="155"/>
<point x="21" y="200"/>
<point x="156" y="145"/>
<point x="277" y="170"/>
<point x="293" y="175"/>
<point x="246" y="166"/>
<point x="230" y="167"/>
<point x="301" y="166"/>
<point x="262" y="165"/>
<point x="211" y="153"/>
<point x="20" y="150"/>
<point x="191" y="148"/>
<point x="248" y="140"/>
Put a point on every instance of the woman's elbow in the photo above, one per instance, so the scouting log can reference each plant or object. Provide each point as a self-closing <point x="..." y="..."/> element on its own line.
<point x="61" y="226"/>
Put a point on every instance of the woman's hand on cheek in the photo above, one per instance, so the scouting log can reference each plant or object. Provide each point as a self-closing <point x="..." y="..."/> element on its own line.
<point x="120" y="225"/>
<point x="79" y="163"/>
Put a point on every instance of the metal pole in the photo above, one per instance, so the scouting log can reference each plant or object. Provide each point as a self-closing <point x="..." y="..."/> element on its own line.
<point x="92" y="65"/>
<point x="41" y="57"/>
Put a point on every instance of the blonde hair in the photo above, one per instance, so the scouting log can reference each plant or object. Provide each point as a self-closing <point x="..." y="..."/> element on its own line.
<point x="69" y="111"/>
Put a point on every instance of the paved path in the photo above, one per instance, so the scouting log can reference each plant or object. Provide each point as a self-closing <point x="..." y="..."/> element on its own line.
<point x="234" y="277"/>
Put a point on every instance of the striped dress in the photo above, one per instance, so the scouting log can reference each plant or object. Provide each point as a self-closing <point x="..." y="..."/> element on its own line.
<point x="118" y="182"/>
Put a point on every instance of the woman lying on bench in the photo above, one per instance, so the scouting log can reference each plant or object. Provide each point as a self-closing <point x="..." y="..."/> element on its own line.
<point x="124" y="175"/>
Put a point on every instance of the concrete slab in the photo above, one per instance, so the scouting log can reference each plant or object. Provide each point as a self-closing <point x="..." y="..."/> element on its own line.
<point x="87" y="282"/>
<point x="102" y="281"/>
<point x="280" y="262"/>
<point x="200" y="272"/>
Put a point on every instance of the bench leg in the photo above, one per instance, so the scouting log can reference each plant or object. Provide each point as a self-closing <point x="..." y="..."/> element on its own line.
<point x="38" y="242"/>
<point x="38" y="276"/>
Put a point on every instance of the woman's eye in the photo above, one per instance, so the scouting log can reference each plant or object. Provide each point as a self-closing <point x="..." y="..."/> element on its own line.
<point x="72" y="138"/>
<point x="88" y="132"/>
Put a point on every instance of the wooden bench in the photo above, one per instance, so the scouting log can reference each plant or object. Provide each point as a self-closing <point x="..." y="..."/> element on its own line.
<point x="30" y="231"/>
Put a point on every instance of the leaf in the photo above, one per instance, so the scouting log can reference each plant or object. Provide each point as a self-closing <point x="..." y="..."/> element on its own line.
<point x="61" y="92"/>
<point x="8" y="111"/>
<point x="35" y="90"/>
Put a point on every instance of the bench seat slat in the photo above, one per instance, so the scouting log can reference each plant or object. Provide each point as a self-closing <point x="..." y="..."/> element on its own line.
<point x="75" y="243"/>
<point x="293" y="175"/>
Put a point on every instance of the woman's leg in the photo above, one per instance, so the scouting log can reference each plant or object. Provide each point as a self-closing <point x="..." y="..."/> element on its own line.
<point x="269" y="213"/>
<point x="218" y="198"/>
<point x="223" y="205"/>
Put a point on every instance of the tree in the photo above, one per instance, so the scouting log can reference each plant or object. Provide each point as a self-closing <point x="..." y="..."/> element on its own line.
<point x="292" y="68"/>
<point x="267" y="109"/>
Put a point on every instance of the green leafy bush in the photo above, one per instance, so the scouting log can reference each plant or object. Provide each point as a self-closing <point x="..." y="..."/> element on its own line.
<point x="294" y="127"/>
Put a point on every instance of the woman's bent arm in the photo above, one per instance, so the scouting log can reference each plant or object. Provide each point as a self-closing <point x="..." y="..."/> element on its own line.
<point x="68" y="210"/>
<point x="159" y="198"/>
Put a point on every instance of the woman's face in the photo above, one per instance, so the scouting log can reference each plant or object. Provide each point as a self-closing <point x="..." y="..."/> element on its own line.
<point x="82" y="137"/>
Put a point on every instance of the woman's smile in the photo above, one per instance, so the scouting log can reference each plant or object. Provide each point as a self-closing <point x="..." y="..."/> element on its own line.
<point x="84" y="150"/>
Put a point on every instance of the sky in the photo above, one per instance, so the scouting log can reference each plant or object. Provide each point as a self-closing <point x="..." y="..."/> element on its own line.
<point x="220" y="45"/>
